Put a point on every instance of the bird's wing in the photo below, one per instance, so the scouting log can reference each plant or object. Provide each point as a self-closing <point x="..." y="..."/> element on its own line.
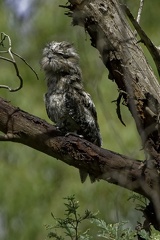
<point x="82" y="110"/>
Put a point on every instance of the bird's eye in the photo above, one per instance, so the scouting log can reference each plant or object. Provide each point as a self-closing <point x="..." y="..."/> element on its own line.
<point x="63" y="55"/>
<point x="66" y="56"/>
<point x="59" y="53"/>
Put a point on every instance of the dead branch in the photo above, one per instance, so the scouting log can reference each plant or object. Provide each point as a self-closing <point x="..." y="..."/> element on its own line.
<point x="154" y="51"/>
<point x="13" y="61"/>
<point x="140" y="10"/>
<point x="110" y="33"/>
<point x="19" y="126"/>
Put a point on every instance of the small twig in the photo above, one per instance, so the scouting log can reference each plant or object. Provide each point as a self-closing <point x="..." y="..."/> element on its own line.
<point x="118" y="109"/>
<point x="144" y="39"/>
<point x="140" y="10"/>
<point x="12" y="60"/>
<point x="2" y="39"/>
<point x="139" y="14"/>
<point x="17" y="55"/>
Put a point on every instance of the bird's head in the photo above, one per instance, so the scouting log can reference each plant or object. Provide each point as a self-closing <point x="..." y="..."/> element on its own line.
<point x="59" y="57"/>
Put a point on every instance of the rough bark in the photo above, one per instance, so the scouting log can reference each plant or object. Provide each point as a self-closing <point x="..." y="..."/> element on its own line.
<point x="111" y="34"/>
<point x="22" y="127"/>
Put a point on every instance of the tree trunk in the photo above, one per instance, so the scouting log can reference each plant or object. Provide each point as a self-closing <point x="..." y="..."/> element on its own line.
<point x="111" y="34"/>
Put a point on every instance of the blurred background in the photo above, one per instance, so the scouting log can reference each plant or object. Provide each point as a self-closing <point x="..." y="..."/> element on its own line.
<point x="32" y="184"/>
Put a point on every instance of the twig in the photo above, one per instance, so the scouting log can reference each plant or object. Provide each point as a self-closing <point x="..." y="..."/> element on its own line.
<point x="154" y="51"/>
<point x="139" y="14"/>
<point x="17" y="55"/>
<point x="12" y="60"/>
<point x="140" y="10"/>
<point x="118" y="109"/>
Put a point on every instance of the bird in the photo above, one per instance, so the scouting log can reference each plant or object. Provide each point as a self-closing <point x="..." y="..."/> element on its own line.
<point x="67" y="104"/>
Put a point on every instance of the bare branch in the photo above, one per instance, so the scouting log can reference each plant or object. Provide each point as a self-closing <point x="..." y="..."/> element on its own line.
<point x="154" y="51"/>
<point x="17" y="55"/>
<point x="19" y="126"/>
<point x="12" y="60"/>
<point x="139" y="14"/>
<point x="140" y="11"/>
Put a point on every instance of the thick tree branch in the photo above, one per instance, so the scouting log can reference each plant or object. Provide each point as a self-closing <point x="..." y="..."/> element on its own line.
<point x="19" y="126"/>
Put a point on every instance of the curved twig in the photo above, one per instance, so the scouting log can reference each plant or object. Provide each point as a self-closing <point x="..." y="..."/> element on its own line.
<point x="17" y="55"/>
<point x="12" y="60"/>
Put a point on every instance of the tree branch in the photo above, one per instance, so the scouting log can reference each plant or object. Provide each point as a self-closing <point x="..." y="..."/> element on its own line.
<point x="12" y="60"/>
<point x="19" y="126"/>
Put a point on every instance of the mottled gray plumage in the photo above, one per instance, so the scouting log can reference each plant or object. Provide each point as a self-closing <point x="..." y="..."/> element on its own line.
<point x="67" y="104"/>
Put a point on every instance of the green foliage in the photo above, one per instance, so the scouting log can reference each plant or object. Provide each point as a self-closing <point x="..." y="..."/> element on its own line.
<point x="116" y="231"/>
<point x="70" y="224"/>
<point x="139" y="200"/>
<point x="72" y="221"/>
